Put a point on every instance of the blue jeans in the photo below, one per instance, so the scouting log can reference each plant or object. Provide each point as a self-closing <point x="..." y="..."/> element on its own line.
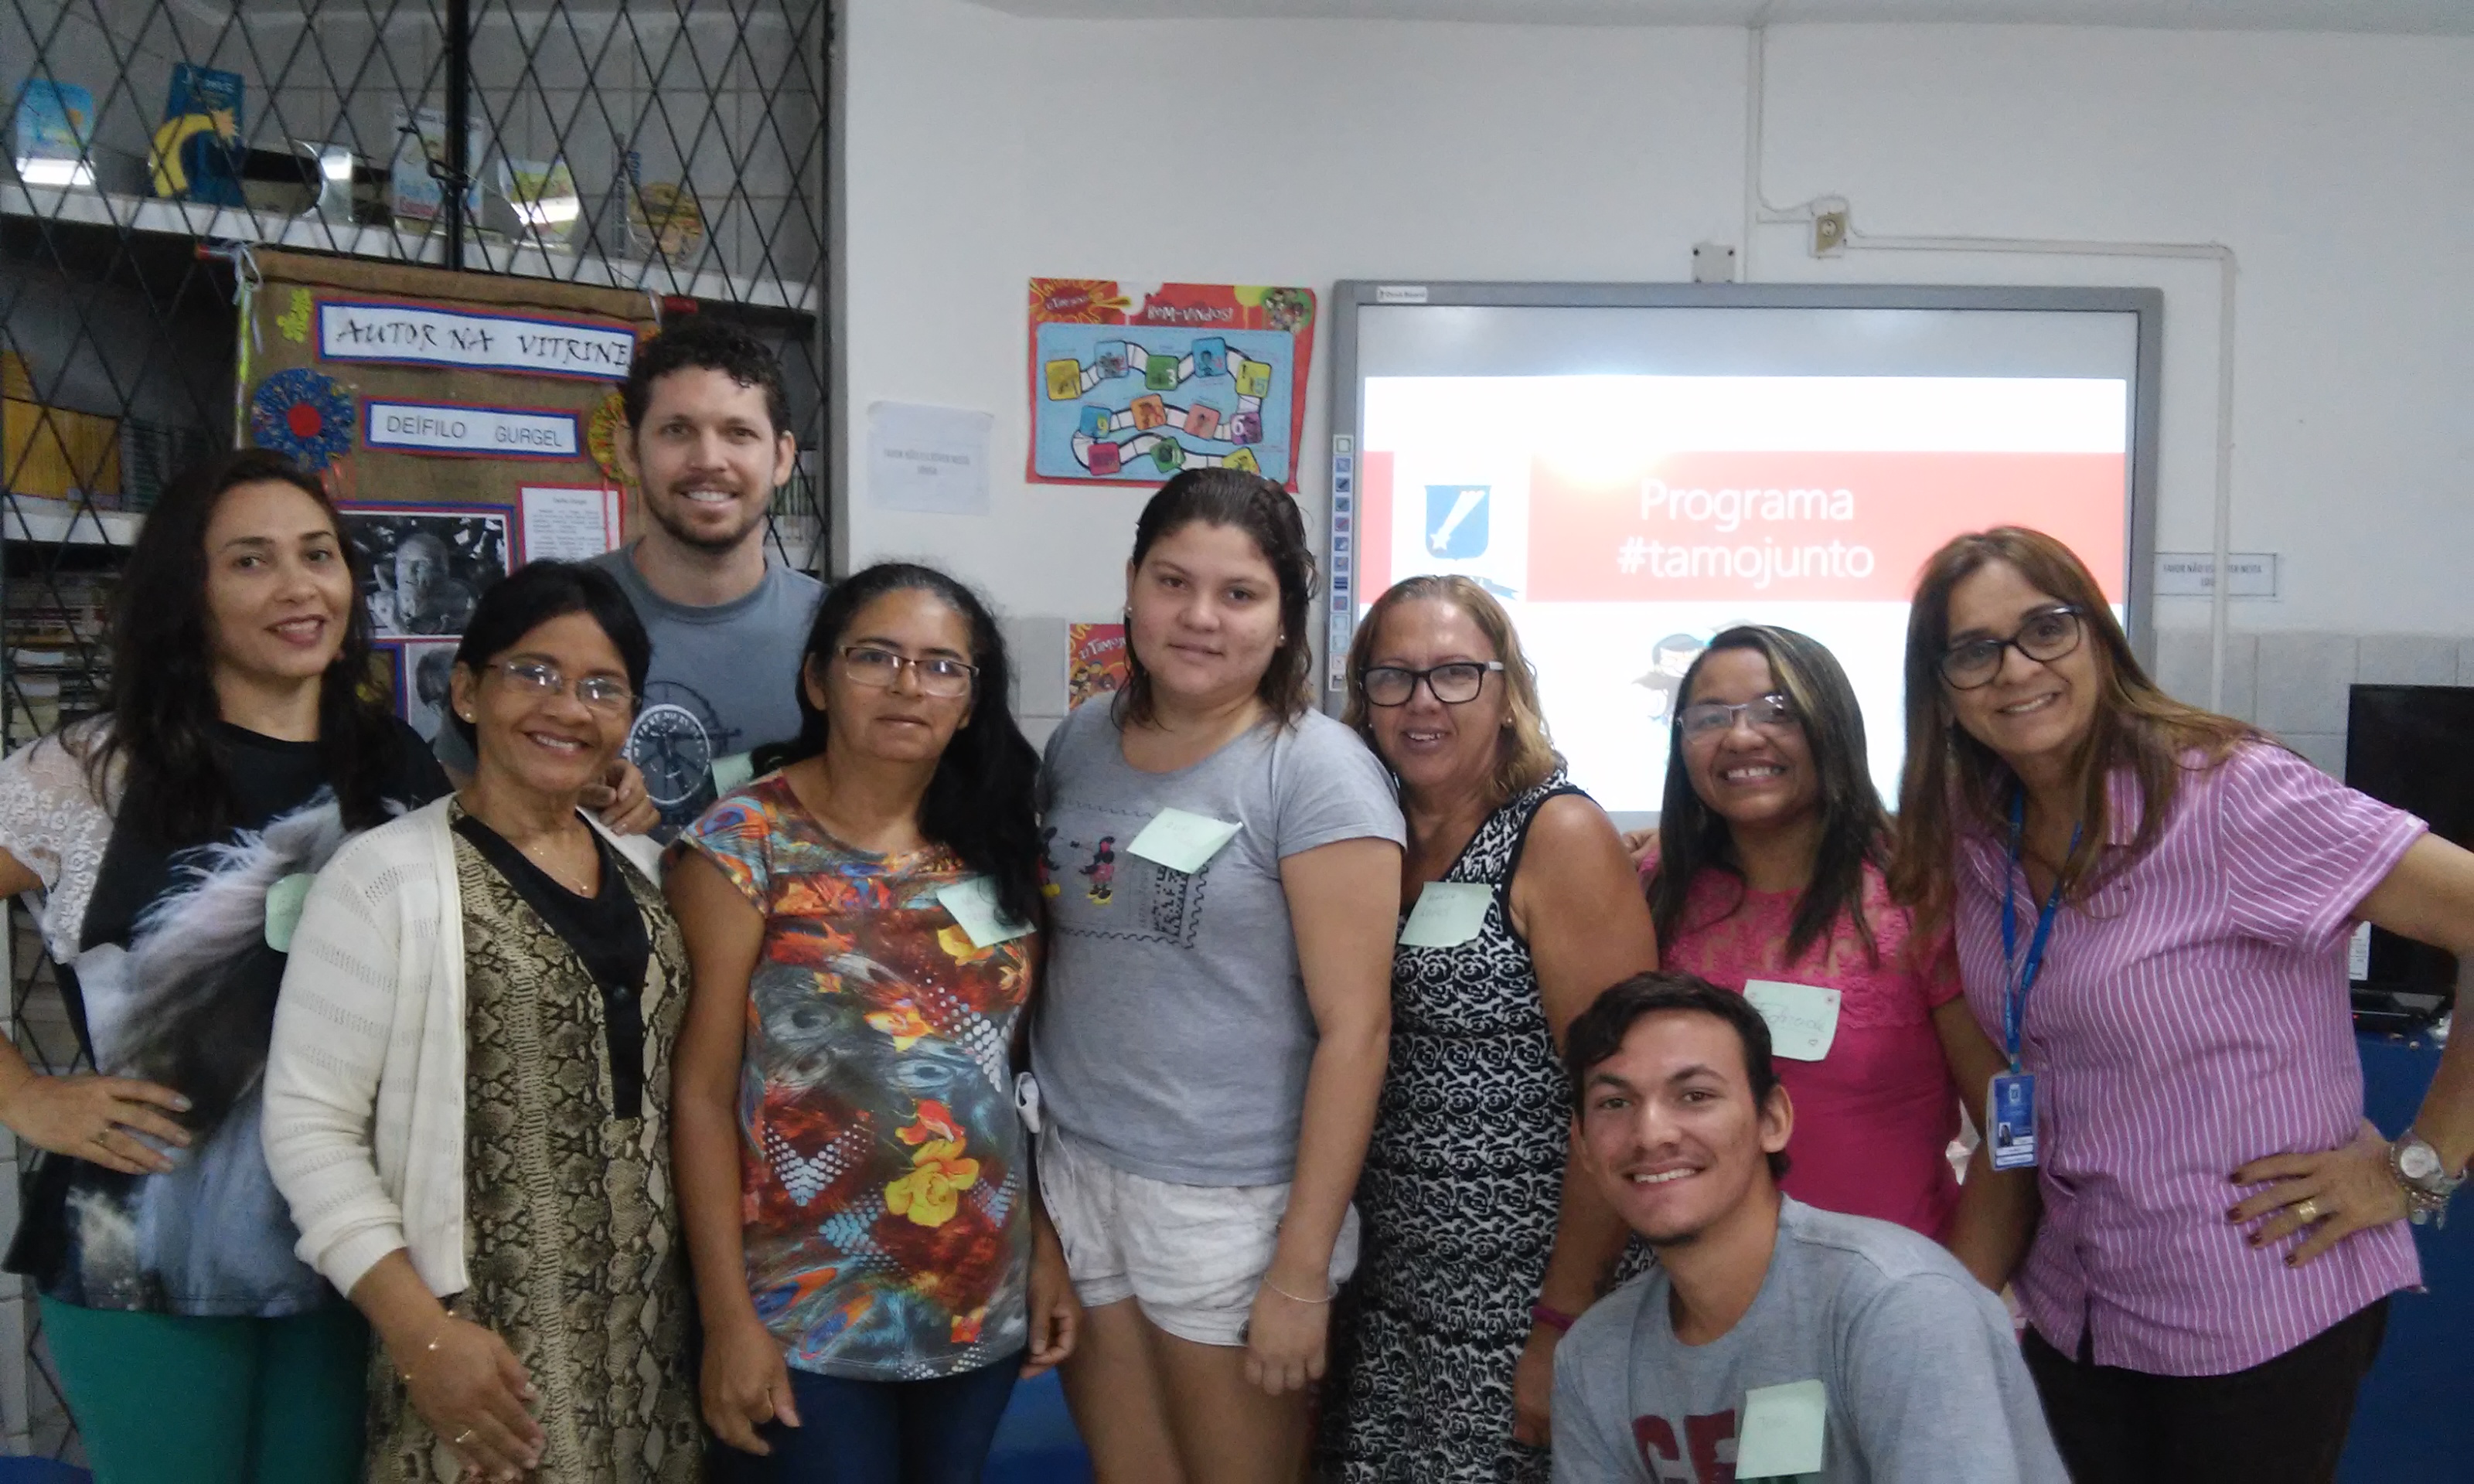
<point x="885" y="1432"/>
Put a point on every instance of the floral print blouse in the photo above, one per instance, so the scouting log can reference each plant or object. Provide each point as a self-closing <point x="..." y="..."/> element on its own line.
<point x="882" y="1162"/>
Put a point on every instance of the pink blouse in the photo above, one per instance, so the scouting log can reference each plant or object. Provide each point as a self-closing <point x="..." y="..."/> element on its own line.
<point x="1874" y="1118"/>
<point x="2191" y="1017"/>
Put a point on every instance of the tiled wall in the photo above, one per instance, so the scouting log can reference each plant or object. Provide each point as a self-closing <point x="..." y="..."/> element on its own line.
<point x="2295" y="683"/>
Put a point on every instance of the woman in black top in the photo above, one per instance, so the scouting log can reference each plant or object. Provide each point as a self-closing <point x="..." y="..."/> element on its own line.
<point x="170" y="839"/>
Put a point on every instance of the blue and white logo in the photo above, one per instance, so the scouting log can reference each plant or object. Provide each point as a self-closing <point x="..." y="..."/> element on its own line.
<point x="1456" y="520"/>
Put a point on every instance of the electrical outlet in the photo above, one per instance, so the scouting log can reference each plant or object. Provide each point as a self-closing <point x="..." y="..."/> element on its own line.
<point x="1829" y="232"/>
<point x="1713" y="262"/>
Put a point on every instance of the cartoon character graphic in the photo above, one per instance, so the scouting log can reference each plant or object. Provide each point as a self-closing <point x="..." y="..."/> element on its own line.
<point x="1103" y="870"/>
<point x="1287" y="309"/>
<point x="1667" y="663"/>
<point x="1048" y="882"/>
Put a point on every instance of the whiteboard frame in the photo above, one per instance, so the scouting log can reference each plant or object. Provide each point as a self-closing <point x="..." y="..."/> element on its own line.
<point x="1348" y="434"/>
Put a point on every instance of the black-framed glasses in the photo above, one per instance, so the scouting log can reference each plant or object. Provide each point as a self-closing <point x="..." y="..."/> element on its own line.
<point x="540" y="677"/>
<point x="1703" y="720"/>
<point x="938" y="675"/>
<point x="2048" y="635"/>
<point x="1456" y="684"/>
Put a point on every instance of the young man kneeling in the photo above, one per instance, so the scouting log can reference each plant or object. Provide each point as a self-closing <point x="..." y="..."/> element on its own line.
<point x="1772" y="1339"/>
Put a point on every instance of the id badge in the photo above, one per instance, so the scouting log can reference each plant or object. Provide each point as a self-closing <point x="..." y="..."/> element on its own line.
<point x="2010" y="1121"/>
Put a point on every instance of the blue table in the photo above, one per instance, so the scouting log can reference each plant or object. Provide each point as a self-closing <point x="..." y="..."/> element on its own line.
<point x="2416" y="1417"/>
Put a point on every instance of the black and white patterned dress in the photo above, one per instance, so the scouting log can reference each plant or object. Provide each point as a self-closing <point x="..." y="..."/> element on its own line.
<point x="1459" y="1202"/>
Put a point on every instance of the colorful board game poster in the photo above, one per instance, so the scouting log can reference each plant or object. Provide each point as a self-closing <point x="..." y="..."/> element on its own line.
<point x="1094" y="662"/>
<point x="1130" y="383"/>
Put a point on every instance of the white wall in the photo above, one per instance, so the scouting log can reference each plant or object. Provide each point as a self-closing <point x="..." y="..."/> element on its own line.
<point x="982" y="148"/>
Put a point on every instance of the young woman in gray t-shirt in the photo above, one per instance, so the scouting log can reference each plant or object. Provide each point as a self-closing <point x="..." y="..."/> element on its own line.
<point x="1223" y="866"/>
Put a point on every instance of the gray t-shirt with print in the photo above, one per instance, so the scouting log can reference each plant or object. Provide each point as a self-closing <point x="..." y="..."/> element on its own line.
<point x="725" y="681"/>
<point x="1174" y="1034"/>
<point x="1924" y="1377"/>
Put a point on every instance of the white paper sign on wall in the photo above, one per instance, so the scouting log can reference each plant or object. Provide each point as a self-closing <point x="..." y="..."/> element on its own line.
<point x="2193" y="574"/>
<point x="933" y="458"/>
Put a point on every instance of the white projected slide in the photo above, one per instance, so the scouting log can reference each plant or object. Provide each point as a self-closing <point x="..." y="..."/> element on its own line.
<point x="1626" y="518"/>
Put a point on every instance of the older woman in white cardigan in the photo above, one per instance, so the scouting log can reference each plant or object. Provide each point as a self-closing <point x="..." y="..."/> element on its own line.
<point x="468" y="1095"/>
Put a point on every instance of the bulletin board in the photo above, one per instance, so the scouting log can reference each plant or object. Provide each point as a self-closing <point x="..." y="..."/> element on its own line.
<point x="464" y="424"/>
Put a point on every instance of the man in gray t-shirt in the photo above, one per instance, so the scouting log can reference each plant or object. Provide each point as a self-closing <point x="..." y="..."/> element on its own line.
<point x="708" y="440"/>
<point x="1773" y="1339"/>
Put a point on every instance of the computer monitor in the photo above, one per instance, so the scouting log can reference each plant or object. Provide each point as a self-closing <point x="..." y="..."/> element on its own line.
<point x="2412" y="746"/>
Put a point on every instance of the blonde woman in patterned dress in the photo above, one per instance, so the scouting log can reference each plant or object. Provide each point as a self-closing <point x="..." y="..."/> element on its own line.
<point x="1478" y="1252"/>
<point x="468" y="1095"/>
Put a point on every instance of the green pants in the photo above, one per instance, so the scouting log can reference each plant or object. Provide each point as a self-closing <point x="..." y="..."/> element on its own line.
<point x="166" y="1399"/>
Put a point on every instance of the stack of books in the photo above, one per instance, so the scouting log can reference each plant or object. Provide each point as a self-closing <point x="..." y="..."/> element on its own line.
<point x="59" y="667"/>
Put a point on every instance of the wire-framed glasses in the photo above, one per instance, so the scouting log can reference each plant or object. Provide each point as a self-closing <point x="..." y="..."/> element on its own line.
<point x="938" y="675"/>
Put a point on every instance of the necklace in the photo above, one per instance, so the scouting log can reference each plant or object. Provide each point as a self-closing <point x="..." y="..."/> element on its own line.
<point x="533" y="854"/>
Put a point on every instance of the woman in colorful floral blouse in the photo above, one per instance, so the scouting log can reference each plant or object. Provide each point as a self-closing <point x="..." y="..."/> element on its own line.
<point x="871" y="1261"/>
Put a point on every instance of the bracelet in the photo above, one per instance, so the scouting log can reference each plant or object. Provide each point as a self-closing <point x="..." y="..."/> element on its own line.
<point x="404" y="1373"/>
<point x="1551" y="1317"/>
<point x="1296" y="1297"/>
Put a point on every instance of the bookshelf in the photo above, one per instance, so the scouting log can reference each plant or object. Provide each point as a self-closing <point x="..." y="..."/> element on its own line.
<point x="678" y="150"/>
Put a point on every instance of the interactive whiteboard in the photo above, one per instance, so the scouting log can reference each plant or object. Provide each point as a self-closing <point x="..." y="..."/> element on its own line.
<point x="1633" y="467"/>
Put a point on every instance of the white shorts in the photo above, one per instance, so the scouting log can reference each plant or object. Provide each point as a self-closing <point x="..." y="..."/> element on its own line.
<point x="1192" y="1256"/>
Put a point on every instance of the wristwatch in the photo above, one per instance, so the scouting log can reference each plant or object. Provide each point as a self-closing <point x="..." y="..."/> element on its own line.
<point x="2424" y="1177"/>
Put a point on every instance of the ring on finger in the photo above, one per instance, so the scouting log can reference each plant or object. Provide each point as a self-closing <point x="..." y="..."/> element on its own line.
<point x="2310" y="1210"/>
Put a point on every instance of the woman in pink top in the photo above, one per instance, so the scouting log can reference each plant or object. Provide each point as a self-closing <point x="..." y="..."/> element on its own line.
<point x="2152" y="905"/>
<point x="1769" y="872"/>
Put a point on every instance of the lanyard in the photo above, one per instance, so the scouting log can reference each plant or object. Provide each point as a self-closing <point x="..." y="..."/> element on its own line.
<point x="2018" y="978"/>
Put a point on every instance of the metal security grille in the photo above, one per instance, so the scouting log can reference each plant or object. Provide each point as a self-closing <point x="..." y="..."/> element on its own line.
<point x="671" y="147"/>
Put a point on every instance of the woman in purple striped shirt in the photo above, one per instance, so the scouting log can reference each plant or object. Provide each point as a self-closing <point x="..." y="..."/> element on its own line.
<point x="2152" y="904"/>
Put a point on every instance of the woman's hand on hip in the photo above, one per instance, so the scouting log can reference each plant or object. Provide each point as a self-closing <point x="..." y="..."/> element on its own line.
<point x="473" y="1392"/>
<point x="97" y="1119"/>
<point x="1055" y="1313"/>
<point x="1533" y="1387"/>
<point x="2336" y="1194"/>
<point x="746" y="1383"/>
<point x="1286" y="1336"/>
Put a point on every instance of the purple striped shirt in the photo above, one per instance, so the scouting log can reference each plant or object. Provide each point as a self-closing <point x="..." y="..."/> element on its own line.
<point x="2193" y="1016"/>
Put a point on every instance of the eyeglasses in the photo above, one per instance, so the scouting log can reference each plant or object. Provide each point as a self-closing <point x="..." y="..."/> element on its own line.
<point x="2048" y="635"/>
<point x="534" y="676"/>
<point x="936" y="676"/>
<point x="1704" y="720"/>
<point x="1456" y="684"/>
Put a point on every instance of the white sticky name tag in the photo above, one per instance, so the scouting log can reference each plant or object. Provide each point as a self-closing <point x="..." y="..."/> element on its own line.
<point x="974" y="905"/>
<point x="733" y="771"/>
<point x="283" y="902"/>
<point x="1782" y="1431"/>
<point x="1181" y="841"/>
<point x="1802" y="1017"/>
<point x="1448" y="914"/>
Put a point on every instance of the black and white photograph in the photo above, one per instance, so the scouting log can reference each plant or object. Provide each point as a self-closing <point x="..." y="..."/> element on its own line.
<point x="428" y="563"/>
<point x="428" y="668"/>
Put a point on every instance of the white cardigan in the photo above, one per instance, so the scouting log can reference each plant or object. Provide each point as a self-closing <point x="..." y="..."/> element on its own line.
<point x="364" y="1120"/>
